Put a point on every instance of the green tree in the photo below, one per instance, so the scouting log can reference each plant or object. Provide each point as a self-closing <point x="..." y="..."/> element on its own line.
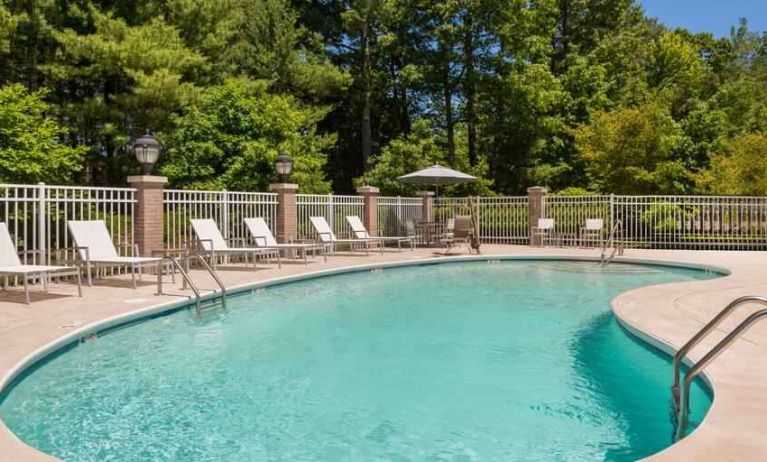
<point x="230" y="138"/>
<point x="31" y="149"/>
<point x="739" y="168"/>
<point x="631" y="151"/>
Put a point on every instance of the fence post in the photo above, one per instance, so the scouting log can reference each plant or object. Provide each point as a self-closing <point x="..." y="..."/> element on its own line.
<point x="42" y="242"/>
<point x="399" y="228"/>
<point x="225" y="214"/>
<point x="287" y="211"/>
<point x="536" y="200"/>
<point x="370" y="213"/>
<point x="427" y="205"/>
<point x="148" y="226"/>
<point x="612" y="212"/>
<point x="331" y="213"/>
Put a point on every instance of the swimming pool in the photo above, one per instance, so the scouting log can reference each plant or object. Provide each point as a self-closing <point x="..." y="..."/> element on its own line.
<point x="459" y="361"/>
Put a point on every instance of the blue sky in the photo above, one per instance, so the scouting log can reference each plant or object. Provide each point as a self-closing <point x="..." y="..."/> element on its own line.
<point x="715" y="16"/>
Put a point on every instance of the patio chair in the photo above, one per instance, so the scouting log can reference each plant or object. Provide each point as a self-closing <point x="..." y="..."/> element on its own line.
<point x="96" y="249"/>
<point x="360" y="232"/>
<point x="593" y="231"/>
<point x="462" y="234"/>
<point x="544" y="230"/>
<point x="213" y="243"/>
<point x="262" y="236"/>
<point x="328" y="237"/>
<point x="10" y="265"/>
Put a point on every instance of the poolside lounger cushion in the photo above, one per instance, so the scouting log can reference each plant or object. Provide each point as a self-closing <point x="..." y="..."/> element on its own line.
<point x="263" y="237"/>
<point x="362" y="233"/>
<point x="10" y="263"/>
<point x="96" y="247"/>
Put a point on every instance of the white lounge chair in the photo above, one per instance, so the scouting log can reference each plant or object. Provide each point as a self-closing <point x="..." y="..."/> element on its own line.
<point x="544" y="230"/>
<point x="262" y="236"/>
<point x="360" y="232"/>
<point x="95" y="248"/>
<point x="213" y="243"/>
<point x="593" y="231"/>
<point x="10" y="265"/>
<point x="328" y="237"/>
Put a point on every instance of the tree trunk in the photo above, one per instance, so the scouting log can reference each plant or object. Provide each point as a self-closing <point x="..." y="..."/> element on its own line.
<point x="366" y="129"/>
<point x="447" y="93"/>
<point x="470" y="88"/>
<point x="561" y="40"/>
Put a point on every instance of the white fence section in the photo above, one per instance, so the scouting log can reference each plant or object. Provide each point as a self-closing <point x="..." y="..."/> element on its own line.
<point x="504" y="220"/>
<point x="227" y="208"/>
<point x="693" y="222"/>
<point x="37" y="216"/>
<point x="333" y="208"/>
<point x="395" y="212"/>
<point x="571" y="212"/>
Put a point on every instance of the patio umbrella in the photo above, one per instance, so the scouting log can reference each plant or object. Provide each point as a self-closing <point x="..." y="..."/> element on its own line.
<point x="437" y="175"/>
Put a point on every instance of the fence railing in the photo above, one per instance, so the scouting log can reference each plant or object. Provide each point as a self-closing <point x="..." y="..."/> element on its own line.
<point x="37" y="216"/>
<point x="227" y="208"/>
<point x="504" y="220"/>
<point x="395" y="212"/>
<point x="692" y="222"/>
<point x="333" y="208"/>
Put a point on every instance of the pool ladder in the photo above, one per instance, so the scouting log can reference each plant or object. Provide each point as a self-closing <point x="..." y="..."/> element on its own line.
<point x="612" y="243"/>
<point x="680" y="398"/>
<point x="187" y="281"/>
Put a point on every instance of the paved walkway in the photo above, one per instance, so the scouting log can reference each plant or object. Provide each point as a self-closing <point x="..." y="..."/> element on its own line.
<point x="669" y="314"/>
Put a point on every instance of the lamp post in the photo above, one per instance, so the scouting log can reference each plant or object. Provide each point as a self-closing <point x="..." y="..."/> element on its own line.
<point x="147" y="150"/>
<point x="284" y="166"/>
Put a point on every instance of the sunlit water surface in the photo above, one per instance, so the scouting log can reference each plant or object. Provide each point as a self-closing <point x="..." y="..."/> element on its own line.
<point x="451" y="362"/>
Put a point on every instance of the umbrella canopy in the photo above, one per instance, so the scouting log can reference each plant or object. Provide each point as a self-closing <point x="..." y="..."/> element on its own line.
<point x="437" y="175"/>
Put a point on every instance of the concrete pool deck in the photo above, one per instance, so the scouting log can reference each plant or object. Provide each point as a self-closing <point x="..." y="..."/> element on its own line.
<point x="668" y="315"/>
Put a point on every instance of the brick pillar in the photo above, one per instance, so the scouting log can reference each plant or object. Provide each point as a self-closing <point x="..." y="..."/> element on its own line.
<point x="148" y="221"/>
<point x="370" y="214"/>
<point x="427" y="207"/>
<point x="536" y="197"/>
<point x="287" y="211"/>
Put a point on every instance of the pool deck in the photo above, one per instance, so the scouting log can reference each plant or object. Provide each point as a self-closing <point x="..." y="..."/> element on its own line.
<point x="668" y="314"/>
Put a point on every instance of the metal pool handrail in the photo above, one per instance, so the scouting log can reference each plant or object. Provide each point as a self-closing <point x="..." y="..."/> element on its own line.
<point x="697" y="368"/>
<point x="610" y="242"/>
<point x="711" y="325"/>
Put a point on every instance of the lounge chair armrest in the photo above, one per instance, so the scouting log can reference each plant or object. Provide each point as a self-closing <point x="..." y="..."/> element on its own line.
<point x="199" y="246"/>
<point x="344" y="235"/>
<point x="238" y="240"/>
<point x="133" y="248"/>
<point x="57" y="253"/>
<point x="260" y="241"/>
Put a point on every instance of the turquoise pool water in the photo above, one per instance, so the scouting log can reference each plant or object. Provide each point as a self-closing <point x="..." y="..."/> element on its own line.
<point x="450" y="362"/>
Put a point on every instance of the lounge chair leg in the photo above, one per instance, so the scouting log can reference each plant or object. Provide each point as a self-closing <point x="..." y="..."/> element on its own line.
<point x="133" y="275"/>
<point x="279" y="260"/>
<point x="44" y="277"/>
<point x="26" y="289"/>
<point x="79" y="285"/>
<point x="88" y="273"/>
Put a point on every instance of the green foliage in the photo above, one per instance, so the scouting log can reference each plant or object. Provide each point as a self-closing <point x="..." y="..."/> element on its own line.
<point x="30" y="142"/>
<point x="573" y="95"/>
<point x="231" y="138"/>
<point x="421" y="149"/>
<point x="740" y="168"/>
<point x="630" y="151"/>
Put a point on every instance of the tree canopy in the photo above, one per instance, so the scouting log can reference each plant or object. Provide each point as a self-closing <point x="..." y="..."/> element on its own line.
<point x="574" y="95"/>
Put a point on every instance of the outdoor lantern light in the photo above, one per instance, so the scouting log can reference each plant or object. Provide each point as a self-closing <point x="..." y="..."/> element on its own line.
<point x="147" y="150"/>
<point x="284" y="166"/>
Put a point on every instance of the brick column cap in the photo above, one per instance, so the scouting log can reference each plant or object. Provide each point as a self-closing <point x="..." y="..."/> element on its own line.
<point x="536" y="190"/>
<point x="143" y="179"/>
<point x="368" y="190"/>
<point x="283" y="187"/>
<point x="424" y="193"/>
